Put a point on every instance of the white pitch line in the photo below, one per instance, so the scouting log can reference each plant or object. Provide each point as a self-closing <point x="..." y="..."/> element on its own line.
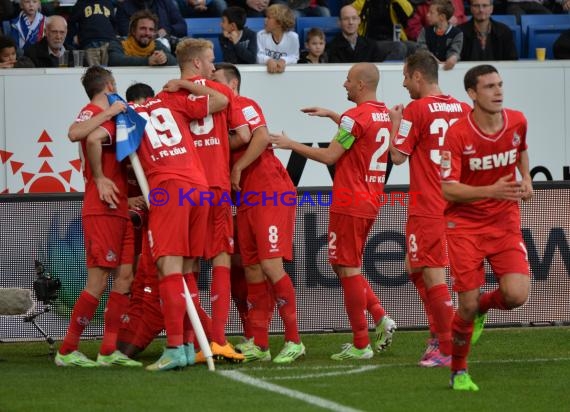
<point x="380" y="366"/>
<point x="310" y="399"/>
<point x="323" y="375"/>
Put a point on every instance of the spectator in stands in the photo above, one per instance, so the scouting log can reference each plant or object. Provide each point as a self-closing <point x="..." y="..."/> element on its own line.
<point x="377" y="20"/>
<point x="201" y="8"/>
<point x="253" y="8"/>
<point x="562" y="6"/>
<point x="278" y="44"/>
<point x="315" y="47"/>
<point x="484" y="38"/>
<point x="419" y="18"/>
<point x="518" y="7"/>
<point x="561" y="48"/>
<point x="6" y="12"/>
<point x="309" y="8"/>
<point x="46" y="52"/>
<point x="170" y="21"/>
<point x="29" y="27"/>
<point x="92" y="27"/>
<point x="238" y="43"/>
<point x="8" y="57"/>
<point x="348" y="46"/>
<point x="442" y="38"/>
<point x="140" y="48"/>
<point x="49" y="7"/>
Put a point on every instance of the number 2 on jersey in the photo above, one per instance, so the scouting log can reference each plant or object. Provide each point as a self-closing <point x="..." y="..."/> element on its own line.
<point x="383" y="137"/>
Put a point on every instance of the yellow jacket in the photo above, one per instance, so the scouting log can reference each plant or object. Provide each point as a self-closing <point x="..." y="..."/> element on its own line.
<point x="406" y="7"/>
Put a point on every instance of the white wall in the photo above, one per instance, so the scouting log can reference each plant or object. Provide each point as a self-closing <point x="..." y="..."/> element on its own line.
<point x="47" y="100"/>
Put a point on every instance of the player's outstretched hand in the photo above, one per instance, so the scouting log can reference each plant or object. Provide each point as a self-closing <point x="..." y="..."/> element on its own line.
<point x="507" y="189"/>
<point x="117" y="107"/>
<point x="280" y="140"/>
<point x="108" y="191"/>
<point x="316" y="111"/>
<point x="526" y="189"/>
<point x="396" y="113"/>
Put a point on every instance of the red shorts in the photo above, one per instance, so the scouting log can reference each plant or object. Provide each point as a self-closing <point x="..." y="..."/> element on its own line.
<point x="426" y="241"/>
<point x="266" y="232"/>
<point x="220" y="229"/>
<point x="109" y="241"/>
<point x="505" y="251"/>
<point x="177" y="228"/>
<point x="347" y="237"/>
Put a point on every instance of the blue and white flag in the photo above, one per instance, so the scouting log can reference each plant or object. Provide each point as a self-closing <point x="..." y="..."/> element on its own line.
<point x="130" y="129"/>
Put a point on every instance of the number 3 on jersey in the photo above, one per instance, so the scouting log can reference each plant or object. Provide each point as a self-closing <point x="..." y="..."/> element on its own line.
<point x="438" y="128"/>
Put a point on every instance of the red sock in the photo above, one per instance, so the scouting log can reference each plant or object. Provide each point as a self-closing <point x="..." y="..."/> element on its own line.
<point x="117" y="307"/>
<point x="272" y="302"/>
<point x="355" y="305"/>
<point x="462" y="331"/>
<point x="442" y="310"/>
<point x="239" y="296"/>
<point x="82" y="314"/>
<point x="373" y="304"/>
<point x="205" y="319"/>
<point x="492" y="300"/>
<point x="220" y="300"/>
<point x="418" y="280"/>
<point x="173" y="308"/>
<point x="259" y="301"/>
<point x="285" y="298"/>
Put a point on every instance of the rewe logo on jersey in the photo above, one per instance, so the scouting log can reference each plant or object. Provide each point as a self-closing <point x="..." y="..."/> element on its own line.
<point x="493" y="161"/>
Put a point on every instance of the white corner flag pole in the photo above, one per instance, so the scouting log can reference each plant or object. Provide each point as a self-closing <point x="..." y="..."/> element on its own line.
<point x="190" y="308"/>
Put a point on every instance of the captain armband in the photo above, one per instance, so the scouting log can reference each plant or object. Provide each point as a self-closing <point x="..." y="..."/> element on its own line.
<point x="346" y="139"/>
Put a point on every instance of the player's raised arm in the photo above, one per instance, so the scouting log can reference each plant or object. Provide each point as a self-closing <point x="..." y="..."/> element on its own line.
<point x="80" y="129"/>
<point x="108" y="191"/>
<point x="396" y="114"/>
<point x="322" y="112"/>
<point x="327" y="155"/>
<point x="217" y="100"/>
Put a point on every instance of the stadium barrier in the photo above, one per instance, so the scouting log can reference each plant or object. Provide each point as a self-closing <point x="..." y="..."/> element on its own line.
<point x="48" y="228"/>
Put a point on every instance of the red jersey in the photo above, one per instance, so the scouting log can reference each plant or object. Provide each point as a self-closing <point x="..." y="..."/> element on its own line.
<point x="474" y="158"/>
<point x="266" y="173"/>
<point x="167" y="150"/>
<point x="112" y="169"/>
<point x="211" y="136"/>
<point x="361" y="170"/>
<point x="421" y="135"/>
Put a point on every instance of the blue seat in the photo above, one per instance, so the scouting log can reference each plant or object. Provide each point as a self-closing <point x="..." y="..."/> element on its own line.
<point x="255" y="23"/>
<point x="327" y="24"/>
<point x="203" y="26"/>
<point x="508" y="19"/>
<point x="6" y="28"/>
<point x="207" y="28"/>
<point x="517" y="35"/>
<point x="539" y="20"/>
<point x="544" y="36"/>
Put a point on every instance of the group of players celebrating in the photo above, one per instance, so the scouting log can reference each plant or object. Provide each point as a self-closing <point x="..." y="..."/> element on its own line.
<point x="463" y="160"/>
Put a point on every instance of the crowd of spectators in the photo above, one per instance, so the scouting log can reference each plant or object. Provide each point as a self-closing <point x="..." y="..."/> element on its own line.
<point x="145" y="32"/>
